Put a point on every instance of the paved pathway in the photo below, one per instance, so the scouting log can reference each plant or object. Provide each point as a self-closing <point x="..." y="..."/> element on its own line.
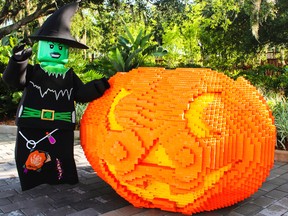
<point x="92" y="196"/>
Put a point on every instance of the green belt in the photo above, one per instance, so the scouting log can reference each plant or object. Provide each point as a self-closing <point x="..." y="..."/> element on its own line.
<point x="45" y="114"/>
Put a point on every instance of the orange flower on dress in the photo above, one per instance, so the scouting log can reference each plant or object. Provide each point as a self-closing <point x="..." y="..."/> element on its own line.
<point x="35" y="160"/>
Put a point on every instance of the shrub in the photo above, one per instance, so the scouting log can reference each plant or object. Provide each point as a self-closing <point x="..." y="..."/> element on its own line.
<point x="268" y="78"/>
<point x="79" y="108"/>
<point x="279" y="106"/>
<point x="131" y="52"/>
<point x="9" y="99"/>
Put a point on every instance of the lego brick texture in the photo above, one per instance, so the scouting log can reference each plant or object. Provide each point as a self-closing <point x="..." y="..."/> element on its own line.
<point x="186" y="140"/>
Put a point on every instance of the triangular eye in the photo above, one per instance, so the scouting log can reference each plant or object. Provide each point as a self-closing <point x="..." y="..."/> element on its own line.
<point x="51" y="46"/>
<point x="60" y="47"/>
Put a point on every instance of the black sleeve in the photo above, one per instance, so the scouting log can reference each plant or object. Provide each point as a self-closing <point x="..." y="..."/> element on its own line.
<point x="89" y="91"/>
<point x="16" y="72"/>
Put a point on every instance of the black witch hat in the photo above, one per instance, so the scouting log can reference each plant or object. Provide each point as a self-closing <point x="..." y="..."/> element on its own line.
<point x="57" y="27"/>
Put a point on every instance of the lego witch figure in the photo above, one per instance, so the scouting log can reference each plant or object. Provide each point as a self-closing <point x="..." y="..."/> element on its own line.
<point x="46" y="114"/>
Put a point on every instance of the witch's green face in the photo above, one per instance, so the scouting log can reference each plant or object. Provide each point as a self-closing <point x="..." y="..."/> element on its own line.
<point x="53" y="52"/>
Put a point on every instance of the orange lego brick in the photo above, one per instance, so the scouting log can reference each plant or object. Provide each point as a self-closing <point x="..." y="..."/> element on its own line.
<point x="186" y="140"/>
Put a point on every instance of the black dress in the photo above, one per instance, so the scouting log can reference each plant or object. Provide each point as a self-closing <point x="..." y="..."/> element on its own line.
<point x="46" y="122"/>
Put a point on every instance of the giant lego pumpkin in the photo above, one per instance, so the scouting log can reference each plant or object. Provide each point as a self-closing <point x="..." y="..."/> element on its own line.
<point x="183" y="140"/>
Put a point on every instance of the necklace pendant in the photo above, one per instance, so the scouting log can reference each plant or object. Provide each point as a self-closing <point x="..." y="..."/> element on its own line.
<point x="51" y="139"/>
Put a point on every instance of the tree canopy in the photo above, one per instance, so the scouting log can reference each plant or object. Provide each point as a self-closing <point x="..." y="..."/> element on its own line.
<point x="209" y="32"/>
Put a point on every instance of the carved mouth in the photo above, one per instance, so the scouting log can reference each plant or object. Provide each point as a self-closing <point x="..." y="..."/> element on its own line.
<point x="55" y="55"/>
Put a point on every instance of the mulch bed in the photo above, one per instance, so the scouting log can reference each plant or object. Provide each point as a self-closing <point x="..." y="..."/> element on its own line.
<point x="7" y="121"/>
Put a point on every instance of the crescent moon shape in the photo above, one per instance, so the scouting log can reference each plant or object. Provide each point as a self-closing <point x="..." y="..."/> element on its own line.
<point x="114" y="125"/>
<point x="194" y="116"/>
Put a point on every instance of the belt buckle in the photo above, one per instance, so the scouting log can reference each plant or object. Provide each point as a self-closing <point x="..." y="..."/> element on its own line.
<point x="44" y="113"/>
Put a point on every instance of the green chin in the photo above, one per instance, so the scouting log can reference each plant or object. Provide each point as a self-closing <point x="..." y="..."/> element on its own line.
<point x="58" y="69"/>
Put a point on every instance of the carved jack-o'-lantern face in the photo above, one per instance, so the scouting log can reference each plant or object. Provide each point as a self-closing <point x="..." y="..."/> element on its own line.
<point x="184" y="140"/>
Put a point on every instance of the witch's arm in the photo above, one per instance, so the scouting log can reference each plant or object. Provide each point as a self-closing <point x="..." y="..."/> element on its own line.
<point x="91" y="90"/>
<point x="15" y="73"/>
